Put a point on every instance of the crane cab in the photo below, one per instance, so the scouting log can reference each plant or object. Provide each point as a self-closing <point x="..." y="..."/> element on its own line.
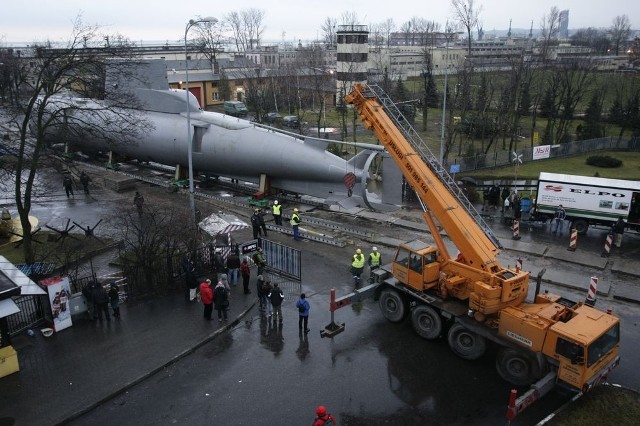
<point x="416" y="265"/>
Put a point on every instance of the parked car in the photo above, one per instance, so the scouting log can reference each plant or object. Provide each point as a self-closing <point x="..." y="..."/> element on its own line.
<point x="235" y="108"/>
<point x="291" y="121"/>
<point x="272" y="118"/>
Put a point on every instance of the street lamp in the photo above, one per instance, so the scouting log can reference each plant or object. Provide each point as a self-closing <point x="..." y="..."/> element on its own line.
<point x="444" y="100"/>
<point x="190" y="24"/>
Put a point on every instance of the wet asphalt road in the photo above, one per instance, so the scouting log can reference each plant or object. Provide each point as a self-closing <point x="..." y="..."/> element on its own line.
<point x="374" y="373"/>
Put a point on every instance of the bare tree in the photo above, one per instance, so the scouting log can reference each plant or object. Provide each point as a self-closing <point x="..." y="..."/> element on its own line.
<point x="236" y="25"/>
<point x="329" y="31"/>
<point x="594" y="38"/>
<point x="42" y="107"/>
<point x="253" y="21"/>
<point x="246" y="27"/>
<point x="406" y="29"/>
<point x="349" y="18"/>
<point x="317" y="82"/>
<point x="467" y="15"/>
<point x="550" y="27"/>
<point x="386" y="28"/>
<point x="150" y="244"/>
<point x="620" y="31"/>
<point x="210" y="38"/>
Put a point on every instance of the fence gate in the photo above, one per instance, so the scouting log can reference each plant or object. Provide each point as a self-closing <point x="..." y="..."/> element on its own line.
<point x="281" y="260"/>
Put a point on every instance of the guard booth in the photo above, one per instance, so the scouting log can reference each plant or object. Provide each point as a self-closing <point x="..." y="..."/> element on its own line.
<point x="218" y="227"/>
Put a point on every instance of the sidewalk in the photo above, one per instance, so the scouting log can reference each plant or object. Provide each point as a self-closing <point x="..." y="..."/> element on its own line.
<point x="80" y="367"/>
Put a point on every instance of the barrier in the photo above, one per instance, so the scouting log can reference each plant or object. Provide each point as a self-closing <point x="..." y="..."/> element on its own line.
<point x="591" y="294"/>
<point x="607" y="245"/>
<point x="573" y="240"/>
<point x="516" y="229"/>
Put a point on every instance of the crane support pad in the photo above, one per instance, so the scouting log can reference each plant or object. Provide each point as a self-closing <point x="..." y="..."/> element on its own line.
<point x="331" y="330"/>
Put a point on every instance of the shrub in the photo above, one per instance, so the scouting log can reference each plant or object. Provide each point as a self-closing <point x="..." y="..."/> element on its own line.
<point x="604" y="161"/>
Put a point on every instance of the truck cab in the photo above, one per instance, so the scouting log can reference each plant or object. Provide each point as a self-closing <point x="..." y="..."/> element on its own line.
<point x="416" y="265"/>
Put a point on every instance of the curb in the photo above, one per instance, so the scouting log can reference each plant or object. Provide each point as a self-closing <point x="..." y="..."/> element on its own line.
<point x="144" y="376"/>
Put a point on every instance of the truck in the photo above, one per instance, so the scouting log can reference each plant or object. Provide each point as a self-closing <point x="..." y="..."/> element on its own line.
<point x="589" y="201"/>
<point x="470" y="298"/>
<point x="235" y="108"/>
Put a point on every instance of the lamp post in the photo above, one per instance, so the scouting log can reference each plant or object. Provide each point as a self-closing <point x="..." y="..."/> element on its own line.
<point x="190" y="24"/>
<point x="444" y="108"/>
<point x="444" y="100"/>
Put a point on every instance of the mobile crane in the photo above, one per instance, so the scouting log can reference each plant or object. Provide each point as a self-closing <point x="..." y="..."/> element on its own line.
<point x="471" y="299"/>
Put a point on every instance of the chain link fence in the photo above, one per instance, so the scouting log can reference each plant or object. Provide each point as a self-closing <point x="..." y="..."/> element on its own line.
<point x="506" y="158"/>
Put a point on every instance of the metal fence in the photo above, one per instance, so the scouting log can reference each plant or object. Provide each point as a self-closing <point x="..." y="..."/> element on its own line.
<point x="31" y="313"/>
<point x="505" y="158"/>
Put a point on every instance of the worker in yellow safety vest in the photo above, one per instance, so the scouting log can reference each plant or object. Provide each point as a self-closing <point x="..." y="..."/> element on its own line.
<point x="295" y="221"/>
<point x="277" y="213"/>
<point x="375" y="259"/>
<point x="357" y="266"/>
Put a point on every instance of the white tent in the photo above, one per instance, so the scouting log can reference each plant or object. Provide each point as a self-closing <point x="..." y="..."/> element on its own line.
<point x="221" y="223"/>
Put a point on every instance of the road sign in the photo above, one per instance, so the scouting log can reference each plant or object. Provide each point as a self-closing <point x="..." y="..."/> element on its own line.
<point x="517" y="158"/>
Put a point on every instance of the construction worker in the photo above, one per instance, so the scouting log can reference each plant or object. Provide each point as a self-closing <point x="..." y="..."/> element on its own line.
<point x="277" y="213"/>
<point x="375" y="259"/>
<point x="255" y="223"/>
<point x="357" y="266"/>
<point x="295" y="221"/>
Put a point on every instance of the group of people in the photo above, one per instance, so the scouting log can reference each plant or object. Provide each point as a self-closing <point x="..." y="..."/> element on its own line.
<point x="98" y="300"/>
<point x="490" y="197"/>
<point x="215" y="297"/>
<point x="258" y="223"/>
<point x="67" y="183"/>
<point x="358" y="261"/>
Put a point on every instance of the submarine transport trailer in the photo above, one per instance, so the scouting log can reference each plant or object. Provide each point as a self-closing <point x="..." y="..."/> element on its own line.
<point x="589" y="200"/>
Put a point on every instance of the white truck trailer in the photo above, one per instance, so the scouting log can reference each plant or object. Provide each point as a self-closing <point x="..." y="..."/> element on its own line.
<point x="589" y="200"/>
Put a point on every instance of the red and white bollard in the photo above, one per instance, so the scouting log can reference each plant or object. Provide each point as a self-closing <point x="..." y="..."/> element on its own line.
<point x="518" y="264"/>
<point x="591" y="294"/>
<point x="573" y="240"/>
<point x="607" y="245"/>
<point x="516" y="229"/>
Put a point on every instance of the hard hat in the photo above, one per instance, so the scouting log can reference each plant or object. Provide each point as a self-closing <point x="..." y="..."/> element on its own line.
<point x="321" y="411"/>
<point x="275" y="202"/>
<point x="375" y="249"/>
<point x="257" y="209"/>
<point x="358" y="251"/>
<point x="218" y="250"/>
<point x="295" y="210"/>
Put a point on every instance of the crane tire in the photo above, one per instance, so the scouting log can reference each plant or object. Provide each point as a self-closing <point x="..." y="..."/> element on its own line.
<point x="426" y="322"/>
<point x="515" y="366"/>
<point x="466" y="344"/>
<point x="392" y="305"/>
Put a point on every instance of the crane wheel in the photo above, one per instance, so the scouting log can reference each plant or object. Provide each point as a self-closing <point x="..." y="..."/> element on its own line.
<point x="392" y="305"/>
<point x="515" y="367"/>
<point x="426" y="322"/>
<point x="466" y="344"/>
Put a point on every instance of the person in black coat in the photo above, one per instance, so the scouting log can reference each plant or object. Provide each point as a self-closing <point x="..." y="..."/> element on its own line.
<point x="101" y="302"/>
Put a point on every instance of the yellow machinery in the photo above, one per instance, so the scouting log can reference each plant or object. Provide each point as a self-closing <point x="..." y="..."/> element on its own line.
<point x="471" y="298"/>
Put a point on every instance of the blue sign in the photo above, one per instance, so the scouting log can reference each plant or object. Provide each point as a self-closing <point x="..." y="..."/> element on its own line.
<point x="455" y="168"/>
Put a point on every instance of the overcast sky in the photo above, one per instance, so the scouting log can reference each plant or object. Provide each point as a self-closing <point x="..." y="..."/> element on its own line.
<point x="288" y="20"/>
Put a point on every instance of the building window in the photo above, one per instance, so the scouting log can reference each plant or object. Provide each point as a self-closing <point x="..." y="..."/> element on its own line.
<point x="216" y="96"/>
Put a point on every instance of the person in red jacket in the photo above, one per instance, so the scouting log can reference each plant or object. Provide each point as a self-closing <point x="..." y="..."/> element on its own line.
<point x="323" y="418"/>
<point x="206" y="295"/>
